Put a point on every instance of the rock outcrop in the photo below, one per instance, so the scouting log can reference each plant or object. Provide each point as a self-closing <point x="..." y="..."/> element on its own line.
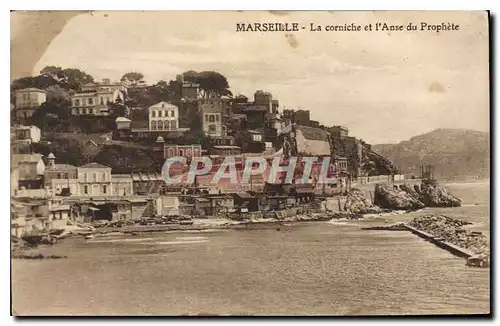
<point x="410" y="197"/>
<point x="357" y="203"/>
<point x="392" y="197"/>
<point x="433" y="195"/>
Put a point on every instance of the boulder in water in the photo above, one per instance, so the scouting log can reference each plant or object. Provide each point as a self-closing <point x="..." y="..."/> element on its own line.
<point x="357" y="203"/>
<point x="433" y="195"/>
<point x="387" y="196"/>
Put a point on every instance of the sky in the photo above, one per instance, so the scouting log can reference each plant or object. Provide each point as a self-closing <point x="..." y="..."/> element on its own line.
<point x="384" y="86"/>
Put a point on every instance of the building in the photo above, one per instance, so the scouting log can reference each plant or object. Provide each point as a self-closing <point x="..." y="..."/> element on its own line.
<point x="210" y="205"/>
<point x="256" y="116"/>
<point x="122" y="185"/>
<point x="29" y="98"/>
<point x="265" y="99"/>
<point x="105" y="85"/>
<point x="123" y="123"/>
<point x="61" y="178"/>
<point x="247" y="202"/>
<point x="163" y="116"/>
<point x="222" y="141"/>
<point x="94" y="180"/>
<point x="211" y="117"/>
<point x="338" y="131"/>
<point x="225" y="150"/>
<point x="29" y="134"/>
<point x="147" y="183"/>
<point x="94" y="103"/>
<point x="31" y="169"/>
<point x="187" y="151"/>
<point x="340" y="163"/>
<point x="167" y="205"/>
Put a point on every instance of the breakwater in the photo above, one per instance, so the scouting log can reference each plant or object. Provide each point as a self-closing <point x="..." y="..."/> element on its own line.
<point x="448" y="233"/>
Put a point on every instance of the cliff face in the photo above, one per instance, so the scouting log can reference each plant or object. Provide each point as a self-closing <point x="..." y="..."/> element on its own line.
<point x="454" y="153"/>
<point x="309" y="141"/>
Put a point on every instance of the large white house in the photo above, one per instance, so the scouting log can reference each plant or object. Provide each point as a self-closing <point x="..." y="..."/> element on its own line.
<point x="94" y="103"/>
<point x="163" y="116"/>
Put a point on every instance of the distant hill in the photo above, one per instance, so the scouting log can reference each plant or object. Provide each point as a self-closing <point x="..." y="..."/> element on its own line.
<point x="456" y="154"/>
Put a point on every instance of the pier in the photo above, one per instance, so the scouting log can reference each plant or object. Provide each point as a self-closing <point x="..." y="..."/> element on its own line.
<point x="455" y="250"/>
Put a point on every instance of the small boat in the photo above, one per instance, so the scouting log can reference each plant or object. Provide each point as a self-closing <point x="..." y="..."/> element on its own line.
<point x="89" y="236"/>
<point x="186" y="222"/>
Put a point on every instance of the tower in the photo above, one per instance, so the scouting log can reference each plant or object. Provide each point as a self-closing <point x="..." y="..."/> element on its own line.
<point x="51" y="160"/>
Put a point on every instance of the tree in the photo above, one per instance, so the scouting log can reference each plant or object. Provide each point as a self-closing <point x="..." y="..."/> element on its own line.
<point x="57" y="73"/>
<point x="75" y="78"/>
<point x="133" y="77"/>
<point x="212" y="84"/>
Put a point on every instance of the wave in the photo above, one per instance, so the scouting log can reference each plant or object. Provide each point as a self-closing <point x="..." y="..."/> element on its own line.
<point x="180" y="242"/>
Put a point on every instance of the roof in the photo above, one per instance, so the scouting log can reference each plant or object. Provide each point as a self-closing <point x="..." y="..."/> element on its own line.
<point x="26" y="158"/>
<point x="60" y="167"/>
<point x="313" y="133"/>
<point x="138" y="124"/>
<point x="121" y="176"/>
<point x="25" y="127"/>
<point x="244" y="195"/>
<point x="255" y="131"/>
<point x="60" y="208"/>
<point x="137" y="200"/>
<point x="256" y="108"/>
<point x="122" y="119"/>
<point x="226" y="147"/>
<point x="94" y="165"/>
<point x="166" y="104"/>
<point x="30" y="89"/>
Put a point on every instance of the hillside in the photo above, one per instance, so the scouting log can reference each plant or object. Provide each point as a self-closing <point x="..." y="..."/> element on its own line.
<point x="456" y="154"/>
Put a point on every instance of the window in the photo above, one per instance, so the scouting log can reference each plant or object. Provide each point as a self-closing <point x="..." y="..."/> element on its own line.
<point x="206" y="117"/>
<point x="173" y="124"/>
<point x="153" y="125"/>
<point x="87" y="111"/>
<point x="163" y="105"/>
<point x="59" y="176"/>
<point x="172" y="113"/>
<point x="81" y="111"/>
<point x="211" y="128"/>
<point x="181" y="152"/>
<point x="160" y="125"/>
<point x="86" y="189"/>
<point x="28" y="96"/>
<point x="25" y="97"/>
<point x="103" y="176"/>
<point x="83" y="102"/>
<point x="95" y="176"/>
<point x="91" y="101"/>
<point x="211" y="118"/>
<point x="153" y="114"/>
<point x="85" y="177"/>
<point x="104" y="189"/>
<point x="160" y="113"/>
<point x="77" y="102"/>
<point x="102" y="100"/>
<point x="217" y="117"/>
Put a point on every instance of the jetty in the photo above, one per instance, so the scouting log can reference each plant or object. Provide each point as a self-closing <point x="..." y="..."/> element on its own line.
<point x="440" y="242"/>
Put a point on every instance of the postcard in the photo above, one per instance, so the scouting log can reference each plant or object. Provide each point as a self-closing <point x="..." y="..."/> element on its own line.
<point x="250" y="163"/>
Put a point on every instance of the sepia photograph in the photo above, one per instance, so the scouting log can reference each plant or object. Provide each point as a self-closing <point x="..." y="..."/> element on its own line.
<point x="250" y="163"/>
